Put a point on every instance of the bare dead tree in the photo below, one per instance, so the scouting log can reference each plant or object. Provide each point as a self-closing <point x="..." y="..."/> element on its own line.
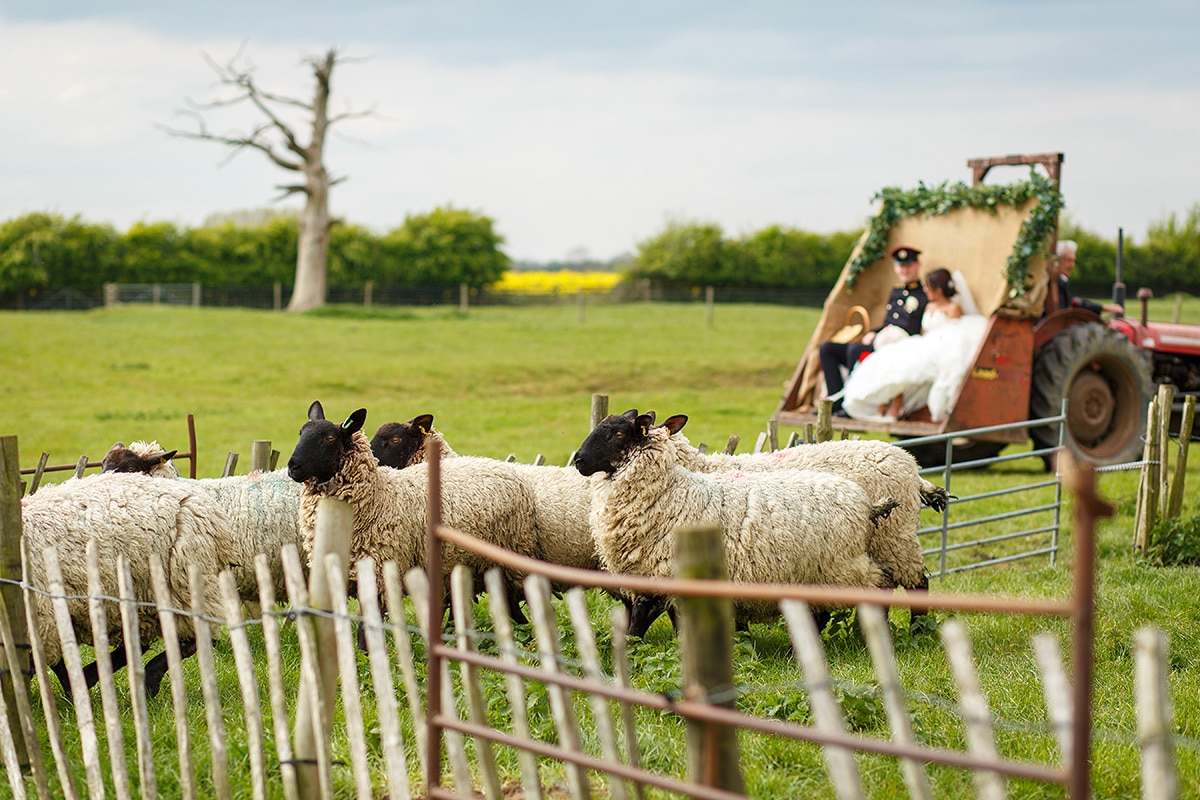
<point x="277" y="140"/>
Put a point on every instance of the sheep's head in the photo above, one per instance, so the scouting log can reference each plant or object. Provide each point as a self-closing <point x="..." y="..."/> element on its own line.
<point x="395" y="443"/>
<point x="146" y="457"/>
<point x="323" y="445"/>
<point x="609" y="444"/>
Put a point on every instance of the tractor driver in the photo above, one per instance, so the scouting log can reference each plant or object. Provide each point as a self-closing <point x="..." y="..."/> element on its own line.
<point x="1066" y="298"/>
<point x="905" y="307"/>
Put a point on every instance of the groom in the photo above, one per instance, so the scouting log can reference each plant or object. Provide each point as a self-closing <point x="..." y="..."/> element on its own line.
<point x="905" y="307"/>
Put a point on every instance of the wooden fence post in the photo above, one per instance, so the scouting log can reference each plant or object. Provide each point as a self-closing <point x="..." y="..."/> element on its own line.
<point x="1154" y="715"/>
<point x="260" y="455"/>
<point x="825" y="421"/>
<point x="277" y="296"/>
<point x="582" y="305"/>
<point x="706" y="652"/>
<point x="368" y="290"/>
<point x="1147" y="504"/>
<point x="196" y="294"/>
<point x="334" y="522"/>
<point x="1166" y="401"/>
<point x="1175" y="506"/>
<point x="463" y="294"/>
<point x="708" y="306"/>
<point x="111" y="294"/>
<point x="10" y="570"/>
<point x="599" y="409"/>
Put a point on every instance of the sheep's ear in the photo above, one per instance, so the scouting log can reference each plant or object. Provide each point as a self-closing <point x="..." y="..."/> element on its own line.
<point x="652" y="416"/>
<point x="423" y="423"/>
<point x="116" y="445"/>
<point x="631" y="414"/>
<point x="315" y="411"/>
<point x="163" y="457"/>
<point x="355" y="421"/>
<point x="644" y="423"/>
<point x="675" y="423"/>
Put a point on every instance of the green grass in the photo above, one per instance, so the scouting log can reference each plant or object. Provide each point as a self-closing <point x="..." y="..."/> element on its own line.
<point x="503" y="380"/>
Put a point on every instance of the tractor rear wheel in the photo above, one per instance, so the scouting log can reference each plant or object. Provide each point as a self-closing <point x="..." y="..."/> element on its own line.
<point x="1107" y="383"/>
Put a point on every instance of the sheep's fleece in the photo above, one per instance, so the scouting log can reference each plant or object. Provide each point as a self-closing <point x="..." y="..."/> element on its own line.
<point x="262" y="508"/>
<point x="883" y="471"/>
<point x="561" y="495"/>
<point x="787" y="526"/>
<point x="125" y="514"/>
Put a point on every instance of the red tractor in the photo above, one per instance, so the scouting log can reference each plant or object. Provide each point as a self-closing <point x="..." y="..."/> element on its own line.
<point x="1028" y="360"/>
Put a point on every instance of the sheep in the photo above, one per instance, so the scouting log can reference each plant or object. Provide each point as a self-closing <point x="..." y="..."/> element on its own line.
<point x="402" y="444"/>
<point x="148" y="458"/>
<point x="390" y="515"/>
<point x="881" y="469"/>
<point x="786" y="526"/>
<point x="561" y="495"/>
<point x="262" y="508"/>
<point x="133" y="515"/>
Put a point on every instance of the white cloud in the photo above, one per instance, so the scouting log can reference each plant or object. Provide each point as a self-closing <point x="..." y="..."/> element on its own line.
<point x="594" y="145"/>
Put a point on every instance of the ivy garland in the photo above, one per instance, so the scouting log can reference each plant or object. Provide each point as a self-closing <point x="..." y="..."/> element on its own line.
<point x="943" y="198"/>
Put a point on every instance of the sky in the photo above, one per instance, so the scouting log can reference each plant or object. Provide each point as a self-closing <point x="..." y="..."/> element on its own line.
<point x="584" y="129"/>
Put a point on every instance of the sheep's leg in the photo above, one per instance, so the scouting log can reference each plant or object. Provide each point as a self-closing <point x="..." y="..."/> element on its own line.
<point x="360" y="639"/>
<point x="914" y="614"/>
<point x="117" y="657"/>
<point x="156" y="668"/>
<point x="91" y="672"/>
<point x="60" y="670"/>
<point x="515" y="596"/>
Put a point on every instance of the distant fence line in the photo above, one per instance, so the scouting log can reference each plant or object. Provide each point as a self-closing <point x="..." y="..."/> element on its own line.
<point x="276" y="296"/>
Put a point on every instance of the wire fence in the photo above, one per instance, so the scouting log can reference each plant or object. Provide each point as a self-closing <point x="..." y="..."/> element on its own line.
<point x="276" y="296"/>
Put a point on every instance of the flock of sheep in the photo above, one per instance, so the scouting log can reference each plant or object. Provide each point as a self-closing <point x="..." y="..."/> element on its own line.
<point x="841" y="513"/>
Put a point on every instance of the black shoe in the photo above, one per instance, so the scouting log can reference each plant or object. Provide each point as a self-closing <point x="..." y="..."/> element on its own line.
<point x="841" y="412"/>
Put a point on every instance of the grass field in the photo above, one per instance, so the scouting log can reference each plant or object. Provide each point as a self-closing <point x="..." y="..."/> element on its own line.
<point x="504" y="380"/>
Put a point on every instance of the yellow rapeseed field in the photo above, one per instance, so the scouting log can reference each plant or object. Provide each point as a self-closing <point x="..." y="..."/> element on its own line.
<point x="562" y="281"/>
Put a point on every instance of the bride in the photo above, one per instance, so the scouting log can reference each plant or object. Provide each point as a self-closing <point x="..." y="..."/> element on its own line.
<point x="922" y="370"/>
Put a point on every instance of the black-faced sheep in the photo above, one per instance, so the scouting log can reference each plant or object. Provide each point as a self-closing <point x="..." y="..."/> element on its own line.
<point x="148" y="458"/>
<point x="402" y="444"/>
<point x="789" y="526"/>
<point x="390" y="506"/>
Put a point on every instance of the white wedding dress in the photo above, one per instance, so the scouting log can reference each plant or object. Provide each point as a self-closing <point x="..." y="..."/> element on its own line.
<point x="926" y="369"/>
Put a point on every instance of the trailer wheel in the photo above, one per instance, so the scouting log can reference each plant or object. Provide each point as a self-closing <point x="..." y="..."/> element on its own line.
<point x="1107" y="383"/>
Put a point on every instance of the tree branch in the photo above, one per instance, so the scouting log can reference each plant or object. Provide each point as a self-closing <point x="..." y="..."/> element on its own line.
<point x="237" y="142"/>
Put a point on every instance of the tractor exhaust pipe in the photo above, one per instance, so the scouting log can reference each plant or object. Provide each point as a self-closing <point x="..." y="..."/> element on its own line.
<point x="1119" y="286"/>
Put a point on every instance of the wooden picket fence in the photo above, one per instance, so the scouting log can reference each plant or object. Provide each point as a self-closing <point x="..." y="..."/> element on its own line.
<point x="425" y="713"/>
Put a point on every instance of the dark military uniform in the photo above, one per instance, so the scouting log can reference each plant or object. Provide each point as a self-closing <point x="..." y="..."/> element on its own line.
<point x="905" y="308"/>
<point x="902" y="312"/>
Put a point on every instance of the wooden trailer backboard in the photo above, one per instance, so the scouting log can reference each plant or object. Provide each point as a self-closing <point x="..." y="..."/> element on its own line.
<point x="978" y="242"/>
